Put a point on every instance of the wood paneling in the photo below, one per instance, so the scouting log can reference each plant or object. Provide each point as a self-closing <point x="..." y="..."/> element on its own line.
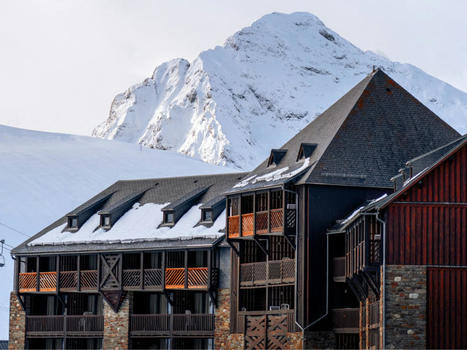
<point x="447" y="308"/>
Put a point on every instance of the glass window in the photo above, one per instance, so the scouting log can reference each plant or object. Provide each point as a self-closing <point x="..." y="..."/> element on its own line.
<point x="106" y="220"/>
<point x="169" y="218"/>
<point x="207" y="215"/>
<point x="73" y="222"/>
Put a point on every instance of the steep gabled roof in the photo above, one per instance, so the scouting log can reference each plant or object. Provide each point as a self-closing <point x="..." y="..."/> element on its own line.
<point x="366" y="136"/>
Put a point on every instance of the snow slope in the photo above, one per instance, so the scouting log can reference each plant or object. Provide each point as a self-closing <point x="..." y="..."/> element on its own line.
<point x="234" y="103"/>
<point x="45" y="175"/>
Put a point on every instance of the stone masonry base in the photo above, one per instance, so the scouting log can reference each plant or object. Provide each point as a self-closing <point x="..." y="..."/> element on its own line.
<point x="17" y="332"/>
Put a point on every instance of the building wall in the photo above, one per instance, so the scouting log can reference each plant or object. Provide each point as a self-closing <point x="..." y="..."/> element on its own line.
<point x="405" y="303"/>
<point x="116" y="325"/>
<point x="17" y="332"/>
<point x="319" y="340"/>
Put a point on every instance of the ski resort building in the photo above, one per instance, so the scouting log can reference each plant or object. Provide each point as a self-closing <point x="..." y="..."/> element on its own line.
<point x="352" y="234"/>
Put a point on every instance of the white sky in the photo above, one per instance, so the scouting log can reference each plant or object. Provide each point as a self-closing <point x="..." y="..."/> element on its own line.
<point x="63" y="61"/>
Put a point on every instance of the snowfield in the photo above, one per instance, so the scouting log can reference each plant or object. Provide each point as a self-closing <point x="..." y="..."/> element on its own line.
<point x="44" y="175"/>
<point x="232" y="104"/>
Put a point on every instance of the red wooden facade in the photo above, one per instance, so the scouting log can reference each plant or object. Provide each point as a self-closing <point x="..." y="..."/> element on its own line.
<point x="446" y="308"/>
<point x="427" y="224"/>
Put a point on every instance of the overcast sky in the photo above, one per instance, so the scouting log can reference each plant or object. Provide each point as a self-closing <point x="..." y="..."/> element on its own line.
<point x="62" y="62"/>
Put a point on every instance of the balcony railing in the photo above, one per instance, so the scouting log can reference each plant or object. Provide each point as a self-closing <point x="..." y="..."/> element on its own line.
<point x="201" y="325"/>
<point x="265" y="222"/>
<point x="267" y="272"/>
<point x="69" y="325"/>
<point x="346" y="320"/>
<point x="190" y="278"/>
<point x="196" y="277"/>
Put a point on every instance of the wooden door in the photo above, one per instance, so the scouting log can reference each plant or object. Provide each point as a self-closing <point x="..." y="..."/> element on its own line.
<point x="266" y="332"/>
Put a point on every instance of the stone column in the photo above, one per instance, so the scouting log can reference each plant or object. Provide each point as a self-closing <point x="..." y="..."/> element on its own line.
<point x="405" y="306"/>
<point x="223" y="339"/>
<point x="117" y="325"/>
<point x="17" y="332"/>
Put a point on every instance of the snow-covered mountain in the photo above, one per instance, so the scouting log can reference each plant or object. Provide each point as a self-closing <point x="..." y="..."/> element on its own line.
<point x="45" y="175"/>
<point x="234" y="103"/>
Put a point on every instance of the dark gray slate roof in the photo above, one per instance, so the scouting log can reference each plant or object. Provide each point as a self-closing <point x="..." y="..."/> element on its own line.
<point x="422" y="165"/>
<point x="157" y="191"/>
<point x="366" y="136"/>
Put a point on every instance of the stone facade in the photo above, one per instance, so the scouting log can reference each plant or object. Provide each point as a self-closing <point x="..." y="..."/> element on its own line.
<point x="223" y="339"/>
<point x="405" y="302"/>
<point x="17" y="333"/>
<point x="116" y="325"/>
<point x="295" y="341"/>
<point x="319" y="340"/>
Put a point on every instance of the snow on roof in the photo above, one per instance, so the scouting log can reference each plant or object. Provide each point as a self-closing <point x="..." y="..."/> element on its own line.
<point x="278" y="174"/>
<point x="138" y="224"/>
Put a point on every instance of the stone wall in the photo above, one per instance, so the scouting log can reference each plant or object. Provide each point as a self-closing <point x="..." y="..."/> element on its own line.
<point x="295" y="341"/>
<point x="17" y="332"/>
<point x="319" y="340"/>
<point x="116" y="325"/>
<point x="405" y="302"/>
<point x="223" y="339"/>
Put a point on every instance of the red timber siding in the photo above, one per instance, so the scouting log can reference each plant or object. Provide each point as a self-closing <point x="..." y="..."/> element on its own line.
<point x="447" y="308"/>
<point x="428" y="225"/>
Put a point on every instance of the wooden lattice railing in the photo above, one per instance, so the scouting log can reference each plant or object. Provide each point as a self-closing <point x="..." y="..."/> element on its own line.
<point x="261" y="222"/>
<point x="198" y="277"/>
<point x="247" y="224"/>
<point x="277" y="220"/>
<point x="27" y="282"/>
<point x="234" y="226"/>
<point x="288" y="314"/>
<point x="271" y="272"/>
<point x="152" y="278"/>
<point x="175" y="278"/>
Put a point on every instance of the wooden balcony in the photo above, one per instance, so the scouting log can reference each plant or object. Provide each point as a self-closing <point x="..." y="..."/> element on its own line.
<point x="345" y="320"/>
<point x="189" y="278"/>
<point x="62" y="326"/>
<point x="265" y="222"/>
<point x="363" y="251"/>
<point x="339" y="269"/>
<point x="168" y="325"/>
<point x="267" y="272"/>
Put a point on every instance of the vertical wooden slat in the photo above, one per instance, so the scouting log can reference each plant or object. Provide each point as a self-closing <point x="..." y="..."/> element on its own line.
<point x="141" y="269"/>
<point x="78" y="268"/>
<point x="37" y="274"/>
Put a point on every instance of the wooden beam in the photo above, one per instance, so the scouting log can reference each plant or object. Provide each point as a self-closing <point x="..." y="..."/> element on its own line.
<point x="163" y="269"/>
<point x="240" y="226"/>
<point x="186" y="268"/>
<point x="78" y="269"/>
<point x="141" y="269"/>
<point x="209" y="268"/>
<point x="254" y="213"/>
<point x="269" y="211"/>
<point x="57" y="268"/>
<point x="38" y="280"/>
<point x="98" y="258"/>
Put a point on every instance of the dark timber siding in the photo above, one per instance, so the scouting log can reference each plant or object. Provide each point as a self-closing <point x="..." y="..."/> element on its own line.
<point x="447" y="308"/>
<point x="428" y="226"/>
<point x="324" y="205"/>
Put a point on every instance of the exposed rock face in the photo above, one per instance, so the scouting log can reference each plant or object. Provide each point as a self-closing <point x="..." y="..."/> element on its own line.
<point x="234" y="103"/>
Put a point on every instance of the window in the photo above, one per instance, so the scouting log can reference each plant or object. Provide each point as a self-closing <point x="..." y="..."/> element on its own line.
<point x="207" y="215"/>
<point x="169" y="218"/>
<point x="106" y="220"/>
<point x="73" y="222"/>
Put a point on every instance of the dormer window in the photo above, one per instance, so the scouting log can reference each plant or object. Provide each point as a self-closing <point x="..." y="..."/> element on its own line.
<point x="306" y="150"/>
<point x="206" y="215"/>
<point x="73" y="222"/>
<point x="276" y="156"/>
<point x="169" y="218"/>
<point x="105" y="221"/>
